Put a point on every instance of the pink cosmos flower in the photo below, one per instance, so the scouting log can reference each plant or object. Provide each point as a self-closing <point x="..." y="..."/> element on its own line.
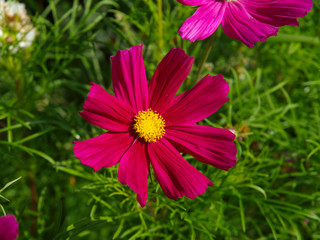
<point x="249" y="21"/>
<point x="148" y="125"/>
<point x="8" y="228"/>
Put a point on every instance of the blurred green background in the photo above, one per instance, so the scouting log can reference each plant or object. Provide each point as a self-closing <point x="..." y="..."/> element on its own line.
<point x="272" y="192"/>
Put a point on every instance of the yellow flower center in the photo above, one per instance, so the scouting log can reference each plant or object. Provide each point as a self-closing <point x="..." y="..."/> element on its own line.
<point x="149" y="125"/>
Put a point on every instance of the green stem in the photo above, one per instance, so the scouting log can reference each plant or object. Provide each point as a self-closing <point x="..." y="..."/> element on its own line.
<point x="295" y="38"/>
<point x="160" y="27"/>
<point x="205" y="57"/>
<point x="192" y="47"/>
<point x="9" y="129"/>
<point x="2" y="208"/>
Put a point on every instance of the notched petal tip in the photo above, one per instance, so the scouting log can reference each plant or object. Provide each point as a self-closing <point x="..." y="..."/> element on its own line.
<point x="209" y="145"/>
<point x="168" y="77"/>
<point x="133" y="171"/>
<point x="185" y="36"/>
<point x="134" y="48"/>
<point x="81" y="113"/>
<point x="142" y="201"/>
<point x="233" y="136"/>
<point x="180" y="53"/>
<point x="129" y="78"/>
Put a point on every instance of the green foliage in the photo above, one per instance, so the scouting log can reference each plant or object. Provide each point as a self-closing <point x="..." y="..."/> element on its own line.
<point x="272" y="192"/>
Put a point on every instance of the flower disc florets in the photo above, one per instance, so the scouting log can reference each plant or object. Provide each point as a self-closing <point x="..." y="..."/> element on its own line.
<point x="149" y="125"/>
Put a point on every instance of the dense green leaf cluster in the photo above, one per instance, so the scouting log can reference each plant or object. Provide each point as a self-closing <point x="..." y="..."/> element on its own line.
<point x="273" y="191"/>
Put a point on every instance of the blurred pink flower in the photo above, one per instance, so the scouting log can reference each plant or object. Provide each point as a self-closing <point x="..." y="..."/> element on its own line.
<point x="249" y="21"/>
<point x="8" y="228"/>
<point x="148" y="124"/>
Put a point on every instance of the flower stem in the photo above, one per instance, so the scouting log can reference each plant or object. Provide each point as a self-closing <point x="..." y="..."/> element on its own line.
<point x="160" y="27"/>
<point x="295" y="38"/>
<point x="205" y="57"/>
<point x="192" y="47"/>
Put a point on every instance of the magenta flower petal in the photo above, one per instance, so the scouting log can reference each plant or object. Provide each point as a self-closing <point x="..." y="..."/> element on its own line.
<point x="129" y="78"/>
<point x="133" y="170"/>
<point x="239" y="25"/>
<point x="105" y="150"/>
<point x="194" y="2"/>
<point x="249" y="21"/>
<point x="167" y="79"/>
<point x="8" y="228"/>
<point x="210" y="145"/>
<point x="204" y="22"/>
<point x="154" y="132"/>
<point x="280" y="12"/>
<point x="175" y="175"/>
<point x="204" y="99"/>
<point x="106" y="111"/>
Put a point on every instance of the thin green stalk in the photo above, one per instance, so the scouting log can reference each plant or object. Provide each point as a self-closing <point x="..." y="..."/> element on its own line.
<point x="160" y="27"/>
<point x="192" y="47"/>
<point x="2" y="208"/>
<point x="9" y="129"/>
<point x="9" y="184"/>
<point x="295" y="38"/>
<point x="205" y="57"/>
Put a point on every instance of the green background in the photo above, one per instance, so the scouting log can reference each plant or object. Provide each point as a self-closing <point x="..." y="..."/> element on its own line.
<point x="271" y="193"/>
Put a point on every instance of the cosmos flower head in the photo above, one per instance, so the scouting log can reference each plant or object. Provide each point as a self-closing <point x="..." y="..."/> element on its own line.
<point x="148" y="125"/>
<point x="8" y="228"/>
<point x="16" y="29"/>
<point x="248" y="21"/>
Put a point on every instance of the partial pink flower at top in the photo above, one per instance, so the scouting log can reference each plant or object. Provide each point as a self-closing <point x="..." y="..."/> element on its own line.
<point x="249" y="21"/>
<point x="8" y="228"/>
<point x="148" y="125"/>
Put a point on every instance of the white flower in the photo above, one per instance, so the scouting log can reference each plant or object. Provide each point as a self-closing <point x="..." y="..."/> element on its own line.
<point x="16" y="28"/>
<point x="28" y="39"/>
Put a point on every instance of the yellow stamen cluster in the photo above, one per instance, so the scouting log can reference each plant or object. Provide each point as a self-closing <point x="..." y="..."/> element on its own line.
<point x="149" y="125"/>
